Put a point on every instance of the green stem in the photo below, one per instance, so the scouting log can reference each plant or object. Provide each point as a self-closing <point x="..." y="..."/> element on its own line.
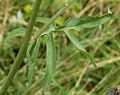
<point x="23" y="49"/>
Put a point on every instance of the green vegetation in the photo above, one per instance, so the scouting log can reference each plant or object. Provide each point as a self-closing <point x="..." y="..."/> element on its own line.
<point x="59" y="47"/>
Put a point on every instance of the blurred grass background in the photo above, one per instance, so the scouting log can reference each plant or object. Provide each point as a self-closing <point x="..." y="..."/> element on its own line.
<point x="73" y="73"/>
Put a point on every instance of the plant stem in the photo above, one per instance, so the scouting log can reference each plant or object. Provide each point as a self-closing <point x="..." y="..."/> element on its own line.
<point x="23" y="49"/>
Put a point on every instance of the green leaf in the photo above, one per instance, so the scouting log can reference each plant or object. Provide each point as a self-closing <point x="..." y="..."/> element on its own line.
<point x="50" y="58"/>
<point x="43" y="20"/>
<point x="32" y="59"/>
<point x="36" y="49"/>
<point x="75" y="41"/>
<point x="18" y="32"/>
<point x="86" y="22"/>
<point x="78" y="45"/>
<point x="15" y="33"/>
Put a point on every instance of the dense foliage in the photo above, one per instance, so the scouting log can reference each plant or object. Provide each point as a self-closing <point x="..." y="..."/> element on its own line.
<point x="59" y="47"/>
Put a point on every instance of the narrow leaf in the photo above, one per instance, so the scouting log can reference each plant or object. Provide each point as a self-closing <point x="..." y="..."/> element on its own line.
<point x="78" y="45"/>
<point x="50" y="58"/>
<point x="32" y="59"/>
<point x="75" y="41"/>
<point x="18" y="32"/>
<point x="86" y="22"/>
<point x="15" y="33"/>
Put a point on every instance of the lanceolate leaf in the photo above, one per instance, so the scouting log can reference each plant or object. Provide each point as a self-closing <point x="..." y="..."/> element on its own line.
<point x="32" y="59"/>
<point x="50" y="58"/>
<point x="86" y="22"/>
<point x="15" y="33"/>
<point x="75" y="41"/>
<point x="82" y="23"/>
<point x="78" y="45"/>
<point x="36" y="49"/>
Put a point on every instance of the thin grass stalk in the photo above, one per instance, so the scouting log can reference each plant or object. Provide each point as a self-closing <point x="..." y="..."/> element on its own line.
<point x="23" y="49"/>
